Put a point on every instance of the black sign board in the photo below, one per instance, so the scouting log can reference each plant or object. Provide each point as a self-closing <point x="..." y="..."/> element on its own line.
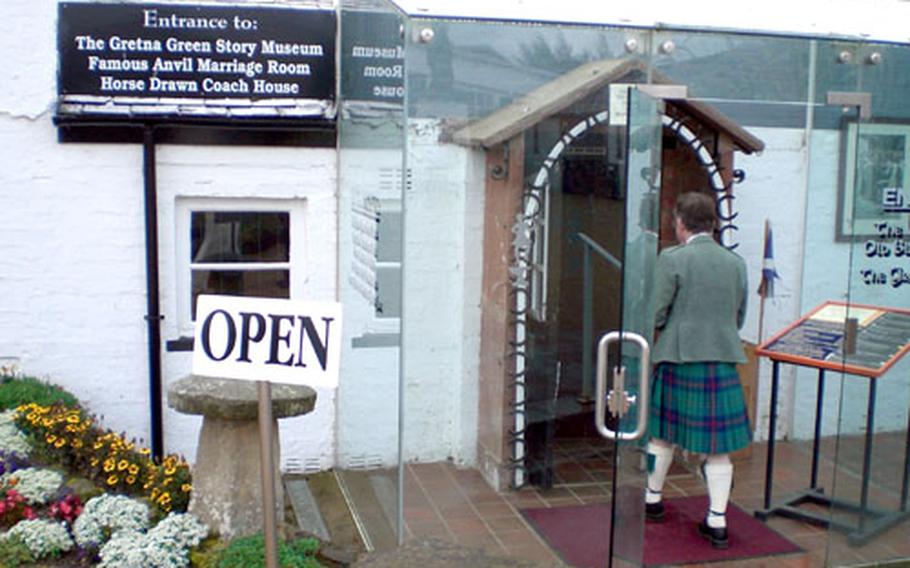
<point x="373" y="54"/>
<point x="167" y="52"/>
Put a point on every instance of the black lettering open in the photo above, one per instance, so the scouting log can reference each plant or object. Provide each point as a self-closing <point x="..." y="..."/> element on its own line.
<point x="277" y="337"/>
<point x="246" y="337"/>
<point x="319" y="348"/>
<point x="231" y="337"/>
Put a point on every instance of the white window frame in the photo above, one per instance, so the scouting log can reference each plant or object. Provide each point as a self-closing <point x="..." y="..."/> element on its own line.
<point x="297" y="247"/>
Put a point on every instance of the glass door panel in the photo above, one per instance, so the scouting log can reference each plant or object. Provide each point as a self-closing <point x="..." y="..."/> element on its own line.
<point x="514" y="213"/>
<point x="362" y="493"/>
<point x="643" y="151"/>
<point x="873" y="449"/>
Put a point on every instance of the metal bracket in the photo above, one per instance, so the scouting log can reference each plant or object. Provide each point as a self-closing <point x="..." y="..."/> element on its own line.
<point x="618" y="400"/>
<point x="851" y="330"/>
<point x="852" y="99"/>
<point x="501" y="171"/>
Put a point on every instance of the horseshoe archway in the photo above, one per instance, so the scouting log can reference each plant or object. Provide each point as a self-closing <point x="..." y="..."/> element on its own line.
<point x="521" y="212"/>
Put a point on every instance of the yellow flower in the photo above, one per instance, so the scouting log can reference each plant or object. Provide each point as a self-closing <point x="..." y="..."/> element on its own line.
<point x="133" y="469"/>
<point x="122" y="464"/>
<point x="94" y="461"/>
<point x="77" y="443"/>
<point x="186" y="487"/>
<point x="131" y="479"/>
<point x="145" y="451"/>
<point x="170" y="470"/>
<point x="154" y="493"/>
<point x="164" y="498"/>
<point x="112" y="479"/>
<point x="60" y="442"/>
<point x="109" y="465"/>
<point x="51" y="438"/>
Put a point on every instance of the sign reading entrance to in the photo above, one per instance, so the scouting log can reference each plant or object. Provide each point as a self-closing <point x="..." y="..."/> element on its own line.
<point x="185" y="51"/>
<point x="265" y="339"/>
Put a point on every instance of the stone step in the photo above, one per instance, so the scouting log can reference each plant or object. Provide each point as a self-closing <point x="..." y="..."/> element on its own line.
<point x="317" y="508"/>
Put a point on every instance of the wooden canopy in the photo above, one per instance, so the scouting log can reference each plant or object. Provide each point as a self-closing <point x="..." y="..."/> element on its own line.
<point x="562" y="92"/>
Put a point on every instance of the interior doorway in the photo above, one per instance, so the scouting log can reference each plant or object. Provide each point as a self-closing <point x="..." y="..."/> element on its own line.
<point x="577" y="294"/>
<point x="585" y="218"/>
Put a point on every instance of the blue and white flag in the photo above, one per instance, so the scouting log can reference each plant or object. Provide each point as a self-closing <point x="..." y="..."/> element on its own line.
<point x="768" y="272"/>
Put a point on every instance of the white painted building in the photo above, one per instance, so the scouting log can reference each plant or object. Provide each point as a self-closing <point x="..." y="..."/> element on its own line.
<point x="72" y="239"/>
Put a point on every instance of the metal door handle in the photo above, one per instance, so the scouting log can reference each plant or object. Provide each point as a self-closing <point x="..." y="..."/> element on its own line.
<point x="619" y="399"/>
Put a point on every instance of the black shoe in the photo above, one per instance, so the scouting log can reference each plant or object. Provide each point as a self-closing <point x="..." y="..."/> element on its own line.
<point x="718" y="537"/>
<point x="654" y="512"/>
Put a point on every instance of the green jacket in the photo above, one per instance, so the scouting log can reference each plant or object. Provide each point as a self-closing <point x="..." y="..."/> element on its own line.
<point x="700" y="303"/>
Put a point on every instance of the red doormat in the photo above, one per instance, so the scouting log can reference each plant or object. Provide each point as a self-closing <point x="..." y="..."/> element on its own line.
<point x="578" y="534"/>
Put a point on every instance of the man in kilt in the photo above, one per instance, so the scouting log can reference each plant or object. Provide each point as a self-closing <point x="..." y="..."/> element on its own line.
<point x="697" y="401"/>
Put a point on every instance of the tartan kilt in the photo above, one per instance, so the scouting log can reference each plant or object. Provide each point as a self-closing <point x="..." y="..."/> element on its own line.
<point x="700" y="407"/>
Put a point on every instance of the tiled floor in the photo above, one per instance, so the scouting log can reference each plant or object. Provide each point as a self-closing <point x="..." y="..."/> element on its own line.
<point x="443" y="502"/>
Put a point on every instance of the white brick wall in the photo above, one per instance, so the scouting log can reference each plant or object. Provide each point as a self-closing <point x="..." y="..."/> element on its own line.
<point x="72" y="268"/>
<point x="279" y="175"/>
<point x="72" y="263"/>
<point x="72" y="244"/>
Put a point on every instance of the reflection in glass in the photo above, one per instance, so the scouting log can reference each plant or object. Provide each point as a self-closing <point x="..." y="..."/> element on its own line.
<point x="256" y="283"/>
<point x="228" y="236"/>
<point x="235" y="253"/>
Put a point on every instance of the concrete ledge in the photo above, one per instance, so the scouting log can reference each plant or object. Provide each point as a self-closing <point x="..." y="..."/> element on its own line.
<point x="236" y="400"/>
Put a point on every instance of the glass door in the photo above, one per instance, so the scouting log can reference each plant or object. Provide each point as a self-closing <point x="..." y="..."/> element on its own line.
<point x="872" y="460"/>
<point x="361" y="496"/>
<point x="622" y="380"/>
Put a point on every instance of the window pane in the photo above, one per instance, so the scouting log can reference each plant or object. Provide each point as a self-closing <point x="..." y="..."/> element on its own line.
<point x="388" y="243"/>
<point x="229" y="236"/>
<point x="388" y="294"/>
<point x="258" y="283"/>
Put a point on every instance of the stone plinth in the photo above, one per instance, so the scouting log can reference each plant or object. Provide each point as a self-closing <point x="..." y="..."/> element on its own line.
<point x="227" y="492"/>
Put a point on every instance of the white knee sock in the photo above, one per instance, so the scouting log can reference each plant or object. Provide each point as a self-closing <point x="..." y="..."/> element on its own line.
<point x="660" y="456"/>
<point x="719" y="476"/>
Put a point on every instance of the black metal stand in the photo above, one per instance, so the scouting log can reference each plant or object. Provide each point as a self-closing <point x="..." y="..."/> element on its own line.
<point x="870" y="522"/>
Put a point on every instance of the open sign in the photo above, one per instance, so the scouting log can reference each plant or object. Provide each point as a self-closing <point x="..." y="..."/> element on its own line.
<point x="266" y="339"/>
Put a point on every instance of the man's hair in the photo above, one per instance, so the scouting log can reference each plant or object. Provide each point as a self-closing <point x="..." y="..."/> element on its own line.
<point x="696" y="211"/>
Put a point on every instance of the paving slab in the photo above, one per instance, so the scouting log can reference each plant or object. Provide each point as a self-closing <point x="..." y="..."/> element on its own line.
<point x="440" y="554"/>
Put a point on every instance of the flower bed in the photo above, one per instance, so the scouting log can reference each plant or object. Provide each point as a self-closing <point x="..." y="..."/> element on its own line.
<point x="75" y="493"/>
<point x="70" y="438"/>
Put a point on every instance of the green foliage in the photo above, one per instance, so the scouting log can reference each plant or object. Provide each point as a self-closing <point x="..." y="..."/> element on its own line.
<point x="207" y="554"/>
<point x="15" y="391"/>
<point x="249" y="552"/>
<point x="81" y="487"/>
<point x="13" y="552"/>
